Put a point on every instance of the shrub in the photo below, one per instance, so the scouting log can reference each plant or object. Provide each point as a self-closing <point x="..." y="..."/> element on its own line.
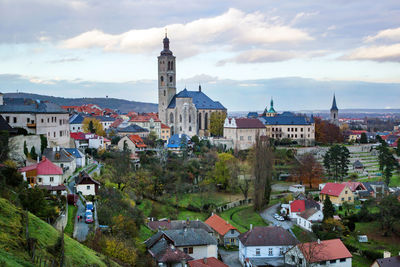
<point x="190" y="207"/>
<point x="372" y="254"/>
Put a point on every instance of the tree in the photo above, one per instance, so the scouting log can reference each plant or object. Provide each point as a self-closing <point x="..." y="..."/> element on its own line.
<point x="398" y="147"/>
<point x="326" y="132"/>
<point x="363" y="139"/>
<point x="328" y="209"/>
<point x="4" y="145"/>
<point x="336" y="161"/>
<point x="33" y="153"/>
<point x="217" y="120"/>
<point x="308" y="170"/>
<point x="387" y="162"/>
<point x="389" y="212"/>
<point x="92" y="125"/>
<point x="26" y="151"/>
<point x="262" y="161"/>
<point x="43" y="142"/>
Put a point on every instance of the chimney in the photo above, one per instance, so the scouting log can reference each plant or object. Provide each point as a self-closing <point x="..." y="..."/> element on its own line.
<point x="1" y="99"/>
<point x="386" y="254"/>
<point x="199" y="88"/>
<point x="251" y="227"/>
<point x="319" y="241"/>
<point x="38" y="159"/>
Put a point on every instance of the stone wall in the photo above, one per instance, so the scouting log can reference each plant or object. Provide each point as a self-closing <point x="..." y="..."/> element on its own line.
<point x="62" y="220"/>
<point x="16" y="145"/>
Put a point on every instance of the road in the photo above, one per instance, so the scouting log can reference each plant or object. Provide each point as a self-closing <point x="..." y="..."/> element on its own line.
<point x="230" y="258"/>
<point x="81" y="229"/>
<point x="268" y="216"/>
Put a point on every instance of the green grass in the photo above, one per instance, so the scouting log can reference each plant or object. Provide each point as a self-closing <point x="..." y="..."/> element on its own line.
<point x="184" y="214"/>
<point x="302" y="235"/>
<point x="242" y="217"/>
<point x="12" y="240"/>
<point x="360" y="261"/>
<point x="145" y="233"/>
<point x="69" y="229"/>
<point x="199" y="199"/>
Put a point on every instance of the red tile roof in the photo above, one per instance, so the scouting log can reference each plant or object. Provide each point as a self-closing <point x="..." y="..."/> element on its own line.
<point x="163" y="126"/>
<point x="353" y="185"/>
<point x="333" y="189"/>
<point x="298" y="206"/>
<point x="137" y="140"/>
<point x="325" y="250"/>
<point x="44" y="167"/>
<point x="358" y="131"/>
<point x="246" y="123"/>
<point x="207" y="262"/>
<point x="219" y="225"/>
<point x="144" y="118"/>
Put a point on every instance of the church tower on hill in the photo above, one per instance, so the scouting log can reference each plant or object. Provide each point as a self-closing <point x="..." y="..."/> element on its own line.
<point x="334" y="112"/>
<point x="166" y="79"/>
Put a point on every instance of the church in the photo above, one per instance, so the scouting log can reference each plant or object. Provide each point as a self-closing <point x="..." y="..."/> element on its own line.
<point x="187" y="112"/>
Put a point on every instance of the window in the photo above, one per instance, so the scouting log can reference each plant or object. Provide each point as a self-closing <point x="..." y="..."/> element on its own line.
<point x="206" y="121"/>
<point x="199" y="120"/>
<point x="180" y="128"/>
<point x="60" y="122"/>
<point x="300" y="261"/>
<point x="190" y="118"/>
<point x="232" y="232"/>
<point x="28" y="120"/>
<point x="258" y="252"/>
<point x="301" y="129"/>
<point x="280" y="251"/>
<point x="270" y="252"/>
<point x="8" y="119"/>
<point x="172" y="65"/>
<point x="15" y="119"/>
<point x="60" y="133"/>
<point x="345" y="192"/>
<point x="249" y="138"/>
<point x="342" y="198"/>
<point x="73" y="128"/>
<point x="48" y="120"/>
<point x="332" y="261"/>
<point x="170" y="79"/>
<point x="51" y="179"/>
<point x="301" y="135"/>
<point x="162" y="78"/>
<point x="169" y="65"/>
<point x="349" y="198"/>
<point x="171" y="117"/>
<point x="190" y="128"/>
<point x="323" y="263"/>
<point x="241" y="138"/>
<point x="40" y="179"/>
<point x="295" y="129"/>
<point x="180" y="118"/>
<point x="185" y="249"/>
<point x="293" y="258"/>
<point x="343" y="260"/>
<point x="88" y="187"/>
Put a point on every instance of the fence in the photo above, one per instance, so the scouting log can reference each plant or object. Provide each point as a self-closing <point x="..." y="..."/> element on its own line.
<point x="233" y="205"/>
<point x="62" y="220"/>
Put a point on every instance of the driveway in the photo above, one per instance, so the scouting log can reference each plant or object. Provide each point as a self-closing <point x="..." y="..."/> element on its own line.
<point x="268" y="216"/>
<point x="230" y="258"/>
<point x="81" y="229"/>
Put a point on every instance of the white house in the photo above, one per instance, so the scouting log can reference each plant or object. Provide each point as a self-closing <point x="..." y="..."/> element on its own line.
<point x="132" y="142"/>
<point x="299" y="205"/>
<point x="45" y="174"/>
<point x="264" y="246"/>
<point x="62" y="158"/>
<point x="306" y="218"/>
<point x="88" y="140"/>
<point x="86" y="184"/>
<point x="80" y="157"/>
<point x="320" y="253"/>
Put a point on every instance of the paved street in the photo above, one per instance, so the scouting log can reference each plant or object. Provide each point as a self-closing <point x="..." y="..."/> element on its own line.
<point x="81" y="229"/>
<point x="268" y="214"/>
<point x="230" y="258"/>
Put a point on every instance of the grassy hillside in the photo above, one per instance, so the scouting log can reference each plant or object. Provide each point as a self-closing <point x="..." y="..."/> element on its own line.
<point x="13" y="242"/>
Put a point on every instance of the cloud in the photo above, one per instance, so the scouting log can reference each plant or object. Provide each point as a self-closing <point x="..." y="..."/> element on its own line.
<point x="40" y="81"/>
<point x="201" y="78"/>
<point x="381" y="53"/>
<point x="233" y="29"/>
<point x="388" y="34"/>
<point x="64" y="60"/>
<point x="259" y="56"/>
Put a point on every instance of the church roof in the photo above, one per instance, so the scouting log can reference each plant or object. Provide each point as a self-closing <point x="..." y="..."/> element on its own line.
<point x="200" y="100"/>
<point x="287" y="118"/>
<point x="334" y="107"/>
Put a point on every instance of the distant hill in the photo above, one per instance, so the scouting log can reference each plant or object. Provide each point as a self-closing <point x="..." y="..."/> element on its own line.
<point x="113" y="103"/>
<point x="13" y="250"/>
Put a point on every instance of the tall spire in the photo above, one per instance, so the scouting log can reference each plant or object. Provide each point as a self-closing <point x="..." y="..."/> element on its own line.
<point x="334" y="107"/>
<point x="272" y="103"/>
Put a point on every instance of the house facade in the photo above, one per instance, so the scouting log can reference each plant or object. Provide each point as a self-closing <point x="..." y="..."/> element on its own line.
<point x="80" y="157"/>
<point x="37" y="117"/>
<point x="165" y="132"/>
<point x="338" y="193"/>
<point x="62" y="158"/>
<point x="224" y="232"/>
<point x="86" y="184"/>
<point x="132" y="142"/>
<point x="307" y="218"/>
<point x="264" y="246"/>
<point x="320" y="253"/>
<point x="243" y="131"/>
<point x="298" y="206"/>
<point x="150" y="123"/>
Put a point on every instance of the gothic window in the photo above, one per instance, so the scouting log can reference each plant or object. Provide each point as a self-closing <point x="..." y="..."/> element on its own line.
<point x="199" y="120"/>
<point x="206" y="121"/>
<point x="190" y="128"/>
<point x="164" y="92"/>
<point x="171" y="118"/>
<point x="169" y="65"/>
<point x="190" y="118"/>
<point x="162" y="78"/>
<point x="172" y="130"/>
<point x="170" y="79"/>
<point x="180" y="128"/>
<point x="172" y="65"/>
<point x="180" y="118"/>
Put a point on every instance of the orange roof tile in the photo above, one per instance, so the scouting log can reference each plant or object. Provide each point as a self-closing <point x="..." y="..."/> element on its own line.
<point x="324" y="251"/>
<point x="164" y="126"/>
<point x="219" y="225"/>
<point x="137" y="140"/>
<point x="207" y="262"/>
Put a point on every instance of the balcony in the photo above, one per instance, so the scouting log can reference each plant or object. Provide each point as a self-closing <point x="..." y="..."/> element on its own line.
<point x="31" y="125"/>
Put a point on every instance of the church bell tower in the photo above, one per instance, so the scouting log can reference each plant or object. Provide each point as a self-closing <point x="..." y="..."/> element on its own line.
<point x="334" y="112"/>
<point x="166" y="80"/>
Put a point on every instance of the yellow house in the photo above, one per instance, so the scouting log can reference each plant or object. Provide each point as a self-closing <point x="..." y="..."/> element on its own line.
<point x="165" y="132"/>
<point x="338" y="193"/>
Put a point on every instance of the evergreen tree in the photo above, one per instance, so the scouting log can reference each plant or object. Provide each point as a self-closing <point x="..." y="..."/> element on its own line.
<point x="328" y="209"/>
<point x="26" y="152"/>
<point x="43" y="142"/>
<point x="33" y="153"/>
<point x="398" y="147"/>
<point x="91" y="127"/>
<point x="363" y="139"/>
<point x="336" y="161"/>
<point x="4" y="145"/>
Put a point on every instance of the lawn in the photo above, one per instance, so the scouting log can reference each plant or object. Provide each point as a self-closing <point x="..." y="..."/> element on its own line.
<point x="303" y="235"/>
<point x="241" y="217"/>
<point x="199" y="199"/>
<point x="69" y="229"/>
<point x="360" y="261"/>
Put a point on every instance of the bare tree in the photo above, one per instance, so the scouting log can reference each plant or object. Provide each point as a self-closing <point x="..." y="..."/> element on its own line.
<point x="308" y="170"/>
<point x="311" y="254"/>
<point x="262" y="160"/>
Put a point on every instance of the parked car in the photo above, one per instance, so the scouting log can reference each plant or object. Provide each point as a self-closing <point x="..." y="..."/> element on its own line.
<point x="89" y="206"/>
<point x="88" y="217"/>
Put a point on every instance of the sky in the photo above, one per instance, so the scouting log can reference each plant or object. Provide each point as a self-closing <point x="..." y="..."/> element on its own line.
<point x="243" y="53"/>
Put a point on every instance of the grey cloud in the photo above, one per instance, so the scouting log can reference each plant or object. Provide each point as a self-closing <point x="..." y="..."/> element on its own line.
<point x="64" y="60"/>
